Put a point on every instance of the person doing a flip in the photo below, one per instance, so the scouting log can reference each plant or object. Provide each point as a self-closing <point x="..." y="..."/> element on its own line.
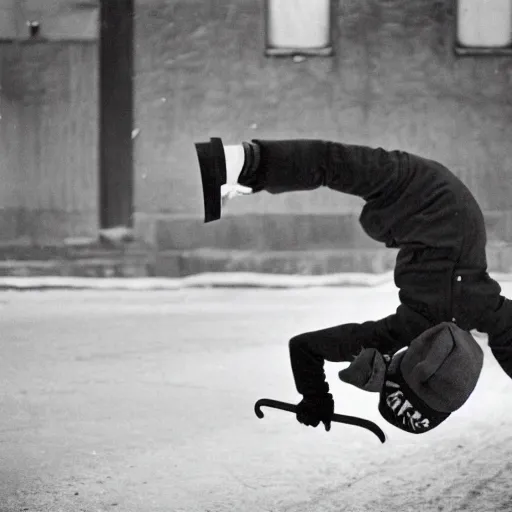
<point x="422" y="359"/>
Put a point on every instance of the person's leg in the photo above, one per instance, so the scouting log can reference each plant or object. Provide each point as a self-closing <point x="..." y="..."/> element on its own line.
<point x="281" y="166"/>
<point x="274" y="166"/>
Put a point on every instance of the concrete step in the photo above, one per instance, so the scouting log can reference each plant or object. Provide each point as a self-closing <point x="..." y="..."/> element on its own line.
<point x="15" y="251"/>
<point x="275" y="232"/>
<point x="206" y="260"/>
<point x="87" y="259"/>
<point x="249" y="232"/>
<point x="316" y="262"/>
<point x="91" y="267"/>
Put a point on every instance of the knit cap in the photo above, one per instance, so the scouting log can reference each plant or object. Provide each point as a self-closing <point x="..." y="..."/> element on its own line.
<point x="422" y="385"/>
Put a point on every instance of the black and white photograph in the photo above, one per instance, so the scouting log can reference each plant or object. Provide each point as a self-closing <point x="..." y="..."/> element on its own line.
<point x="255" y="256"/>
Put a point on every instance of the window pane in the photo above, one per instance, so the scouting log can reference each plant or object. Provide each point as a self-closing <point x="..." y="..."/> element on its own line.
<point x="299" y="23"/>
<point x="484" y="23"/>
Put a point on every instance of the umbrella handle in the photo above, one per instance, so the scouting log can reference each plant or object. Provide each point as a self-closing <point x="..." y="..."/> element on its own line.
<point x="339" y="418"/>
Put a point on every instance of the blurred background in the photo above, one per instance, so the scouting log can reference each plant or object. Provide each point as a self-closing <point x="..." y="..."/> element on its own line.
<point x="101" y="103"/>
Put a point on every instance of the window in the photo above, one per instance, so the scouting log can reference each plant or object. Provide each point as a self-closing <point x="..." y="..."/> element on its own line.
<point x="298" y="27"/>
<point x="484" y="27"/>
<point x="49" y="19"/>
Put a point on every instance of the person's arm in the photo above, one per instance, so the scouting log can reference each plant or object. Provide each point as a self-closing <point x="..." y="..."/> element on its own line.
<point x="343" y="343"/>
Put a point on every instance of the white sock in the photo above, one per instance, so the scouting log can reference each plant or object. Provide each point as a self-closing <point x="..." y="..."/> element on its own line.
<point x="235" y="158"/>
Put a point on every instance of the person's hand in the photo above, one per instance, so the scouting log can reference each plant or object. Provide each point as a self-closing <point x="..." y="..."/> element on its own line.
<point x="315" y="409"/>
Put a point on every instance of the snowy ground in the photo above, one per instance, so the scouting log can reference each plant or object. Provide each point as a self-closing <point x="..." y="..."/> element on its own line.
<point x="143" y="401"/>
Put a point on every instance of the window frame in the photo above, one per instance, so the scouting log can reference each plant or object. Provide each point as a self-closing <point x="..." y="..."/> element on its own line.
<point x="326" y="51"/>
<point x="472" y="51"/>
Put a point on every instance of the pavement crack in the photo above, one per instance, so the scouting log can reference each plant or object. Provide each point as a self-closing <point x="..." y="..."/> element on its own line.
<point x="237" y="478"/>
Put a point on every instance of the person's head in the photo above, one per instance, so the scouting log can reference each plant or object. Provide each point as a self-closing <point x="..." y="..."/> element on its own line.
<point x="422" y="385"/>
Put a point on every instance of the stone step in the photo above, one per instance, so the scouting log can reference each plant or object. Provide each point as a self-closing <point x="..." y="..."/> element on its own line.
<point x="317" y="262"/>
<point x="90" y="267"/>
<point x="249" y="232"/>
<point x="16" y="251"/>
<point x="275" y="232"/>
<point x="186" y="263"/>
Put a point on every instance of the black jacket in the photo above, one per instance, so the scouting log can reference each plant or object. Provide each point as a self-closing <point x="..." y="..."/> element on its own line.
<point x="413" y="204"/>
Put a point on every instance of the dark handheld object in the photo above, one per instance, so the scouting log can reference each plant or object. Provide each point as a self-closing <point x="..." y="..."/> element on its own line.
<point x="339" y="418"/>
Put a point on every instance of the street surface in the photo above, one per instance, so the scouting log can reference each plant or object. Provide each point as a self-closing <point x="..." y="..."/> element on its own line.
<point x="143" y="402"/>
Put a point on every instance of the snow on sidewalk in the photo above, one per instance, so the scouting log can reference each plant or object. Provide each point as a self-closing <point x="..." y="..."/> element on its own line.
<point x="208" y="280"/>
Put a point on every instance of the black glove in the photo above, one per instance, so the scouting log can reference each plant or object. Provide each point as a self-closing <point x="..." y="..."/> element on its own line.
<point x="314" y="409"/>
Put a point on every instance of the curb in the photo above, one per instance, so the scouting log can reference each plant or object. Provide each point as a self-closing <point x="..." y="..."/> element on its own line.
<point x="206" y="280"/>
